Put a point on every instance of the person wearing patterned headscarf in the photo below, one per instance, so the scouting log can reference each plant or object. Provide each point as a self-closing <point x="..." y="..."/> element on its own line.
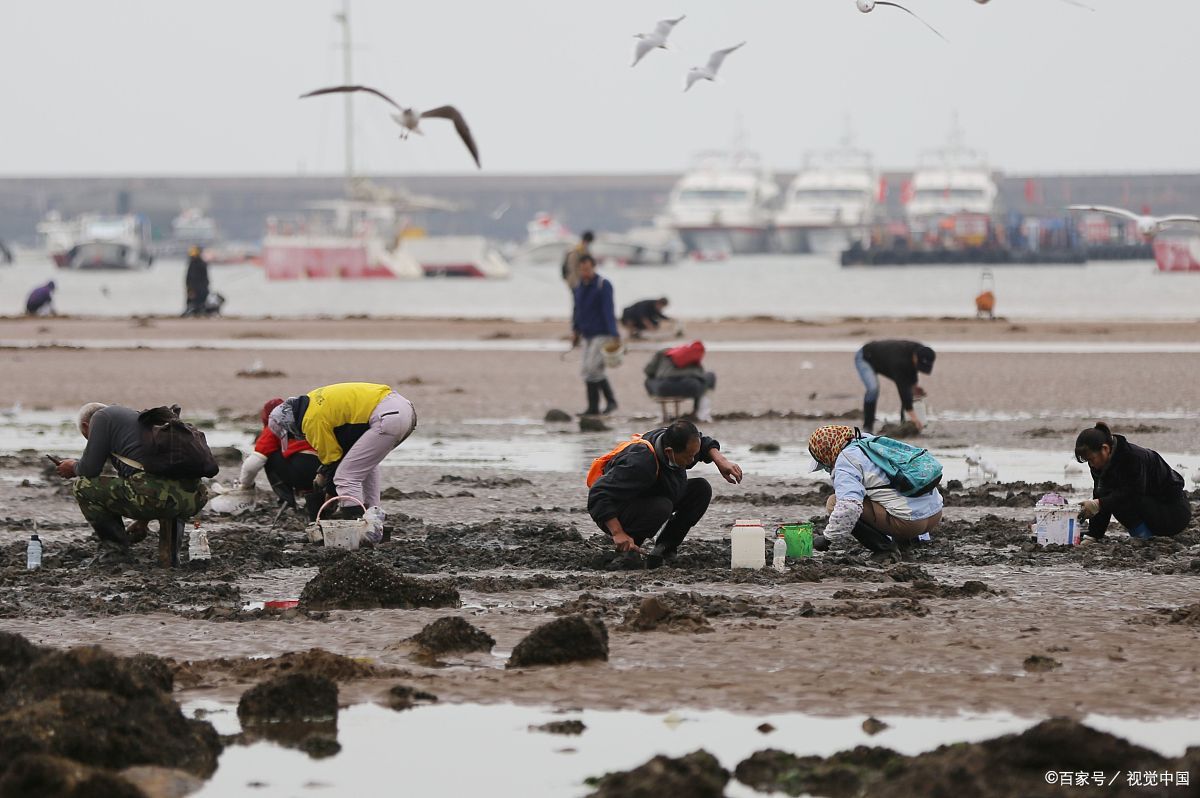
<point x="864" y="503"/>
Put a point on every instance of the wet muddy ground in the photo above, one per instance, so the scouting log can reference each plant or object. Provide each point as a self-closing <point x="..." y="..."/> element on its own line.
<point x="483" y="552"/>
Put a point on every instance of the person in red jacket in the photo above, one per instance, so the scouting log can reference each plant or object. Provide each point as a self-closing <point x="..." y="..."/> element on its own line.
<point x="289" y="469"/>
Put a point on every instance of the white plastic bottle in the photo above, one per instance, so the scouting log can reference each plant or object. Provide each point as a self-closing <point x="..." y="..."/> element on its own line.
<point x="33" y="553"/>
<point x="779" y="554"/>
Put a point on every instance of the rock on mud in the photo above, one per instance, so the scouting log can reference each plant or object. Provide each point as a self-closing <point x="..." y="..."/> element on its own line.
<point x="294" y="697"/>
<point x="354" y="582"/>
<point x="101" y="710"/>
<point x="1036" y="663"/>
<point x="592" y="424"/>
<point x="561" y="727"/>
<point x="574" y="638"/>
<point x="556" y="416"/>
<point x="452" y="634"/>
<point x="1012" y="766"/>
<point x="52" y="776"/>
<point x="656" y="612"/>
<point x="697" y="775"/>
<point x="402" y="697"/>
<point x="314" y="662"/>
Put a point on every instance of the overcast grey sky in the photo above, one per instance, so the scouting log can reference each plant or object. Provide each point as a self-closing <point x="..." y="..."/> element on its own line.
<point x="167" y="87"/>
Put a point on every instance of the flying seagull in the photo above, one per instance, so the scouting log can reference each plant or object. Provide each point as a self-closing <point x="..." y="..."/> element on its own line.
<point x="867" y="6"/>
<point x="1148" y="226"/>
<point x="408" y="118"/>
<point x="656" y="39"/>
<point x="709" y="70"/>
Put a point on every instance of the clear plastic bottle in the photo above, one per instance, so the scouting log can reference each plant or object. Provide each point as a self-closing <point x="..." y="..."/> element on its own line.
<point x="33" y="553"/>
<point x="198" y="545"/>
<point x="779" y="554"/>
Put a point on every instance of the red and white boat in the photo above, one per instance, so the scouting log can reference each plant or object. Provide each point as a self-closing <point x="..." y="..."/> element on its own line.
<point x="1177" y="251"/>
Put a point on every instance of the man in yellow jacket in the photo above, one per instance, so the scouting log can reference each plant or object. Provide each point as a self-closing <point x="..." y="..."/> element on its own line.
<point x="352" y="426"/>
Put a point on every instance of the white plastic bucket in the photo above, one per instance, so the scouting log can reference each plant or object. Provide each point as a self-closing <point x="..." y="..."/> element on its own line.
<point x="614" y="353"/>
<point x="342" y="534"/>
<point x="1059" y="525"/>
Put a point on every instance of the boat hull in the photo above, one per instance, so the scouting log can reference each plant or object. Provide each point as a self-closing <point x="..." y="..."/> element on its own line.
<point x="1177" y="254"/>
<point x="731" y="240"/>
<point x="821" y="240"/>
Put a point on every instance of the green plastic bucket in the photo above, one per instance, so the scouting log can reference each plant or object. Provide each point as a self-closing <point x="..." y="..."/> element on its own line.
<point x="799" y="538"/>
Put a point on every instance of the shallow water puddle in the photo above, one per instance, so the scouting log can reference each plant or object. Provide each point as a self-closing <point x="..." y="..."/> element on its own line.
<point x="456" y="750"/>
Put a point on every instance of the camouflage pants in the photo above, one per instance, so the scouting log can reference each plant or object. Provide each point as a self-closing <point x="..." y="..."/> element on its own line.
<point x="143" y="497"/>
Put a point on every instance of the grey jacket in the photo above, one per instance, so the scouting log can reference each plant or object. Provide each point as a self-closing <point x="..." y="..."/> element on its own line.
<point x="113" y="430"/>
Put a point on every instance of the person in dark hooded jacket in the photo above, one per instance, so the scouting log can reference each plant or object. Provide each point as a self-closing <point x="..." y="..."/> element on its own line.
<point x="645" y="487"/>
<point x="1132" y="484"/>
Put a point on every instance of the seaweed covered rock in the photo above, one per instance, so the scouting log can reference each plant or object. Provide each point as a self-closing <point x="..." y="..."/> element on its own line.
<point x="100" y="710"/>
<point x="355" y="582"/>
<point x="573" y="638"/>
<point x="56" y="777"/>
<point x="1011" y="766"/>
<point x="292" y="697"/>
<point x="697" y="775"/>
<point x="451" y="634"/>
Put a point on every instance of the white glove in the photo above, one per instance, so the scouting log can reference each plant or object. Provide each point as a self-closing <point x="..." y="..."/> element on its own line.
<point x="250" y="468"/>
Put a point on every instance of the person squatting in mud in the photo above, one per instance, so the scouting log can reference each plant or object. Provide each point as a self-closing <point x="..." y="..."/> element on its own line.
<point x="642" y="486"/>
<point x="352" y="426"/>
<point x="864" y="501"/>
<point x="1133" y="485"/>
<point x="114" y="434"/>
<point x="290" y="469"/>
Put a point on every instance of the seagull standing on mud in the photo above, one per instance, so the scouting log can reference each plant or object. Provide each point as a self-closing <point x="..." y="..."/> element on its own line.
<point x="709" y="70"/>
<point x="867" y="6"/>
<point x="1148" y="226"/>
<point x="655" y="40"/>
<point x="408" y="118"/>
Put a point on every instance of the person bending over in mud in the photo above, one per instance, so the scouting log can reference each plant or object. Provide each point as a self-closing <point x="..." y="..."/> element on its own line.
<point x="114" y="435"/>
<point x="642" y="486"/>
<point x="1133" y="485"/>
<point x="899" y="361"/>
<point x="290" y="469"/>
<point x="352" y="426"/>
<point x="864" y="503"/>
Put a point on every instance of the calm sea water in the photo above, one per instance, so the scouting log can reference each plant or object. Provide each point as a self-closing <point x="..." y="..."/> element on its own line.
<point x="770" y="285"/>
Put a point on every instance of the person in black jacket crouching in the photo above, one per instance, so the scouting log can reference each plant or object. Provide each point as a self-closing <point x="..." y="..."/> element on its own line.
<point x="645" y="487"/>
<point x="1133" y="485"/>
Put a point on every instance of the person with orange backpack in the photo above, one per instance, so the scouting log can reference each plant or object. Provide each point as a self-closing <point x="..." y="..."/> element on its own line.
<point x="642" y="486"/>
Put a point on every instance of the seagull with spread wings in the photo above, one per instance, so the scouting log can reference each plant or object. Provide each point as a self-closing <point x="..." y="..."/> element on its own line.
<point x="408" y="118"/>
<point x="867" y="6"/>
<point x="1148" y="226"/>
<point x="709" y="70"/>
<point x="655" y="39"/>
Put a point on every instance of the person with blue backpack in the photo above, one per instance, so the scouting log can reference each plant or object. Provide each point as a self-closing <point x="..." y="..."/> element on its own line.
<point x="884" y="491"/>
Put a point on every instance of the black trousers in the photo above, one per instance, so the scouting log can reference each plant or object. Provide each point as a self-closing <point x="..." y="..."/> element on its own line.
<point x="1163" y="518"/>
<point x="296" y="472"/>
<point x="644" y="516"/>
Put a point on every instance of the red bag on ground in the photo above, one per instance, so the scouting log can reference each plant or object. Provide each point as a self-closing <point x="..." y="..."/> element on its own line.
<point x="687" y="355"/>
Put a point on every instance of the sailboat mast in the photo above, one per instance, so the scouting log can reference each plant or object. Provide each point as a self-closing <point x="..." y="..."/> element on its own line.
<point x="347" y="80"/>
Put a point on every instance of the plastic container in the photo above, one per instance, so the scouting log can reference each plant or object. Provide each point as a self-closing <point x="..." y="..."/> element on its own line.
<point x="799" y="538"/>
<point x="33" y="553"/>
<point x="198" y="545"/>
<point x="374" y="518"/>
<point x="343" y="534"/>
<point x="1055" y="521"/>
<point x="779" y="553"/>
<point x="748" y="544"/>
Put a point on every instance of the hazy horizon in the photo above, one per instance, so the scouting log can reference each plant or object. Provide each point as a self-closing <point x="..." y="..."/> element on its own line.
<point x="157" y="88"/>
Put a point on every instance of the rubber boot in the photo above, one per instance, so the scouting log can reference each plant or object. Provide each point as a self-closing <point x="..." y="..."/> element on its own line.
<point x="869" y="414"/>
<point x="658" y="555"/>
<point x="312" y="503"/>
<point x="1141" y="532"/>
<point x="872" y="538"/>
<point x="349" y="512"/>
<point x="593" y="399"/>
<point x="282" y="490"/>
<point x="610" y="401"/>
<point x="113" y="544"/>
<point x="820" y="542"/>
<point x="170" y="538"/>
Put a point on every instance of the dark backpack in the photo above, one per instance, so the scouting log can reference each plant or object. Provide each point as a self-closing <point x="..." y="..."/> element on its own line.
<point x="172" y="448"/>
